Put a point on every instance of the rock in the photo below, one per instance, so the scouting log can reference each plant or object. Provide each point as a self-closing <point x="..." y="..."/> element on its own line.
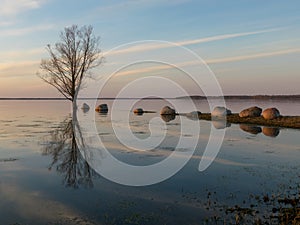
<point x="168" y="117"/>
<point x="250" y="129"/>
<point x="220" y="112"/>
<point x="271" y="113"/>
<point x="138" y="111"/>
<point x="220" y="124"/>
<point x="85" y="107"/>
<point x="271" y="131"/>
<point x="193" y="115"/>
<point x="251" y="112"/>
<point x="103" y="108"/>
<point x="167" y="111"/>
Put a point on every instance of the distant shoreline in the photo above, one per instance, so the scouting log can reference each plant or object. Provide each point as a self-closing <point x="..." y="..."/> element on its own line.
<point x="249" y="97"/>
<point x="194" y="97"/>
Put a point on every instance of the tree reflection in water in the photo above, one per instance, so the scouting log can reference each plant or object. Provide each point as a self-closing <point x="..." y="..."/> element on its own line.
<point x="66" y="157"/>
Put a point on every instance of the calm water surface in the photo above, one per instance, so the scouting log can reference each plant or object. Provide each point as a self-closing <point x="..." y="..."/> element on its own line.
<point x="44" y="179"/>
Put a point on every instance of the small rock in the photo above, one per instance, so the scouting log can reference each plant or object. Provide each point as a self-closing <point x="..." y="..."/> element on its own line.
<point x="167" y="111"/>
<point x="85" y="107"/>
<point x="251" y="112"/>
<point x="271" y="113"/>
<point x="220" y="112"/>
<point x="138" y="111"/>
<point x="103" y="108"/>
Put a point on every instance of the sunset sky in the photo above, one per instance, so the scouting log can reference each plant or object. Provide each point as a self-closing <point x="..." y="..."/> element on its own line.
<point x="252" y="46"/>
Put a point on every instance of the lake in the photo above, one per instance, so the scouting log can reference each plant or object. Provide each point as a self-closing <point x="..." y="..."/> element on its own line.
<point x="45" y="178"/>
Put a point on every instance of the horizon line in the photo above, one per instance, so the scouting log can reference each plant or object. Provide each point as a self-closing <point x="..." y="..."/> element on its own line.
<point x="191" y="96"/>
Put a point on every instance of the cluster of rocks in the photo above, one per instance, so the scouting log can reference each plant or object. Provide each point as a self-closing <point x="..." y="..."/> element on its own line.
<point x="268" y="114"/>
<point x="167" y="114"/>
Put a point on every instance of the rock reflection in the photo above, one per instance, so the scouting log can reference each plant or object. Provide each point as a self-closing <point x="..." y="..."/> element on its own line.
<point x="195" y="115"/>
<point x="220" y="124"/>
<point x="271" y="131"/>
<point x="168" y="118"/>
<point x="66" y="157"/>
<point x="250" y="128"/>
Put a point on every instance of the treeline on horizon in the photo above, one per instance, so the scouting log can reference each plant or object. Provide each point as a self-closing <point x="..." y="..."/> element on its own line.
<point x="258" y="97"/>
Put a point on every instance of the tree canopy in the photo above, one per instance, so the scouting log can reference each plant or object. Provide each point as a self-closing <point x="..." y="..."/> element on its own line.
<point x="71" y="60"/>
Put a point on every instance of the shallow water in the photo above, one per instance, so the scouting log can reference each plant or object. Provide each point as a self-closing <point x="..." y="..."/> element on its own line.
<point x="44" y="178"/>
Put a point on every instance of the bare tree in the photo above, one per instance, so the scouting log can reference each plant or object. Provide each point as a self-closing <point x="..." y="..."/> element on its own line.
<point x="71" y="60"/>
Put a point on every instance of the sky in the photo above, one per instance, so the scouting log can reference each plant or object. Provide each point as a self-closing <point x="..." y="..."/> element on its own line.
<point x="250" y="46"/>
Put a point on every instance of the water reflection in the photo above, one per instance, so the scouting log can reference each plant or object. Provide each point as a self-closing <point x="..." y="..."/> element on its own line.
<point x="271" y="131"/>
<point x="195" y="115"/>
<point x="220" y="124"/>
<point x="267" y="131"/>
<point x="168" y="118"/>
<point x="66" y="157"/>
<point x="252" y="129"/>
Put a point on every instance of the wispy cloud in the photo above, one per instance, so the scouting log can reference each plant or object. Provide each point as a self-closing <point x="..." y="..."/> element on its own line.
<point x="119" y="7"/>
<point x="13" y="7"/>
<point x="140" y="47"/>
<point x="15" y="69"/>
<point x="25" y="30"/>
<point x="21" y="54"/>
<point x="224" y="37"/>
<point x="143" y="70"/>
<point x="209" y="61"/>
<point x="253" y="56"/>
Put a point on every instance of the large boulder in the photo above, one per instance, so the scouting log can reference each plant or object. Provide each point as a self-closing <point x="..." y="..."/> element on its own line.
<point x="167" y="111"/>
<point x="103" y="108"/>
<point x="220" y="112"/>
<point x="271" y="131"/>
<point x="271" y="113"/>
<point x="250" y="128"/>
<point x="251" y="112"/>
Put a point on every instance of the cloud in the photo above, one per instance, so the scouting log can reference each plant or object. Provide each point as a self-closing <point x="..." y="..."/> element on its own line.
<point x="14" y="7"/>
<point x="253" y="56"/>
<point x="223" y="37"/>
<point x="119" y="7"/>
<point x="35" y="205"/>
<point x="209" y="61"/>
<point x="21" y="54"/>
<point x="143" y="70"/>
<point x="11" y="9"/>
<point x="15" y="69"/>
<point x="140" y="47"/>
<point x="25" y="30"/>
